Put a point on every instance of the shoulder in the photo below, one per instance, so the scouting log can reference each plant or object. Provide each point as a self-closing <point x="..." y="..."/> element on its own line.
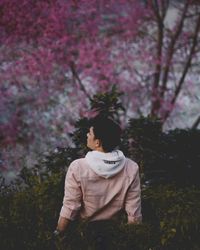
<point x="132" y="163"/>
<point x="76" y="163"/>
<point x="132" y="167"/>
<point x="74" y="169"/>
<point x="81" y="168"/>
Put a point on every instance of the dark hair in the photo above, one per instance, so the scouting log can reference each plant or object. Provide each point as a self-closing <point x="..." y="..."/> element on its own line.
<point x="107" y="131"/>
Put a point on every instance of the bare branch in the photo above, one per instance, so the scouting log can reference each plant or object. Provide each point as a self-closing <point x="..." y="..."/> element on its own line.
<point x="170" y="52"/>
<point x="160" y="25"/>
<point x="187" y="66"/>
<point x="188" y="63"/>
<point x="76" y="76"/>
<point x="159" y="55"/>
<point x="196" y="123"/>
<point x="164" y="8"/>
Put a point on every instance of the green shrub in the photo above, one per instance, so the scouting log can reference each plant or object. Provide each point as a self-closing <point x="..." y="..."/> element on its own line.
<point x="163" y="157"/>
<point x="176" y="212"/>
<point x="171" y="219"/>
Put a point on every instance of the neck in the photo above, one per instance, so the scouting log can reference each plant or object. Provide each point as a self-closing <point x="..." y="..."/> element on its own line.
<point x="100" y="149"/>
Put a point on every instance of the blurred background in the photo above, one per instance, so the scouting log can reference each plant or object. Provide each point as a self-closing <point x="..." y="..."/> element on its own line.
<point x="56" y="55"/>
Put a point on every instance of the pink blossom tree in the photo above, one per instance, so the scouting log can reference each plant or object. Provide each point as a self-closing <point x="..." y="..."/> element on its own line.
<point x="56" y="54"/>
<point x="166" y="57"/>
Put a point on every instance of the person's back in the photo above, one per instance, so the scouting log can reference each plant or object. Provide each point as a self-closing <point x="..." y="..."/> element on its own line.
<point x="103" y="183"/>
<point x="104" y="194"/>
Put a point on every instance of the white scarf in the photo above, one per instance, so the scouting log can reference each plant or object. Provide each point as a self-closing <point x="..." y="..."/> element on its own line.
<point x="106" y="164"/>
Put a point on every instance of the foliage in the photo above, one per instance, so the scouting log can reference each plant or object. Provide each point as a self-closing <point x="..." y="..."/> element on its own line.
<point x="143" y="136"/>
<point x="163" y="157"/>
<point x="176" y="212"/>
<point x="105" y="104"/>
<point x="108" y="104"/>
<point x="29" y="215"/>
<point x="182" y="159"/>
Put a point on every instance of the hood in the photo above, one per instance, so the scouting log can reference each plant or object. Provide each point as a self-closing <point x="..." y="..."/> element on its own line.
<point x="106" y="164"/>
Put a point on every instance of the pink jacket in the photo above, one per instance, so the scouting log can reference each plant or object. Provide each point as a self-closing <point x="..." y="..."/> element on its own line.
<point x="93" y="197"/>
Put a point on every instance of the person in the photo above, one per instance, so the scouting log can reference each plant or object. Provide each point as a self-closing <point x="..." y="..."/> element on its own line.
<point x="104" y="182"/>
